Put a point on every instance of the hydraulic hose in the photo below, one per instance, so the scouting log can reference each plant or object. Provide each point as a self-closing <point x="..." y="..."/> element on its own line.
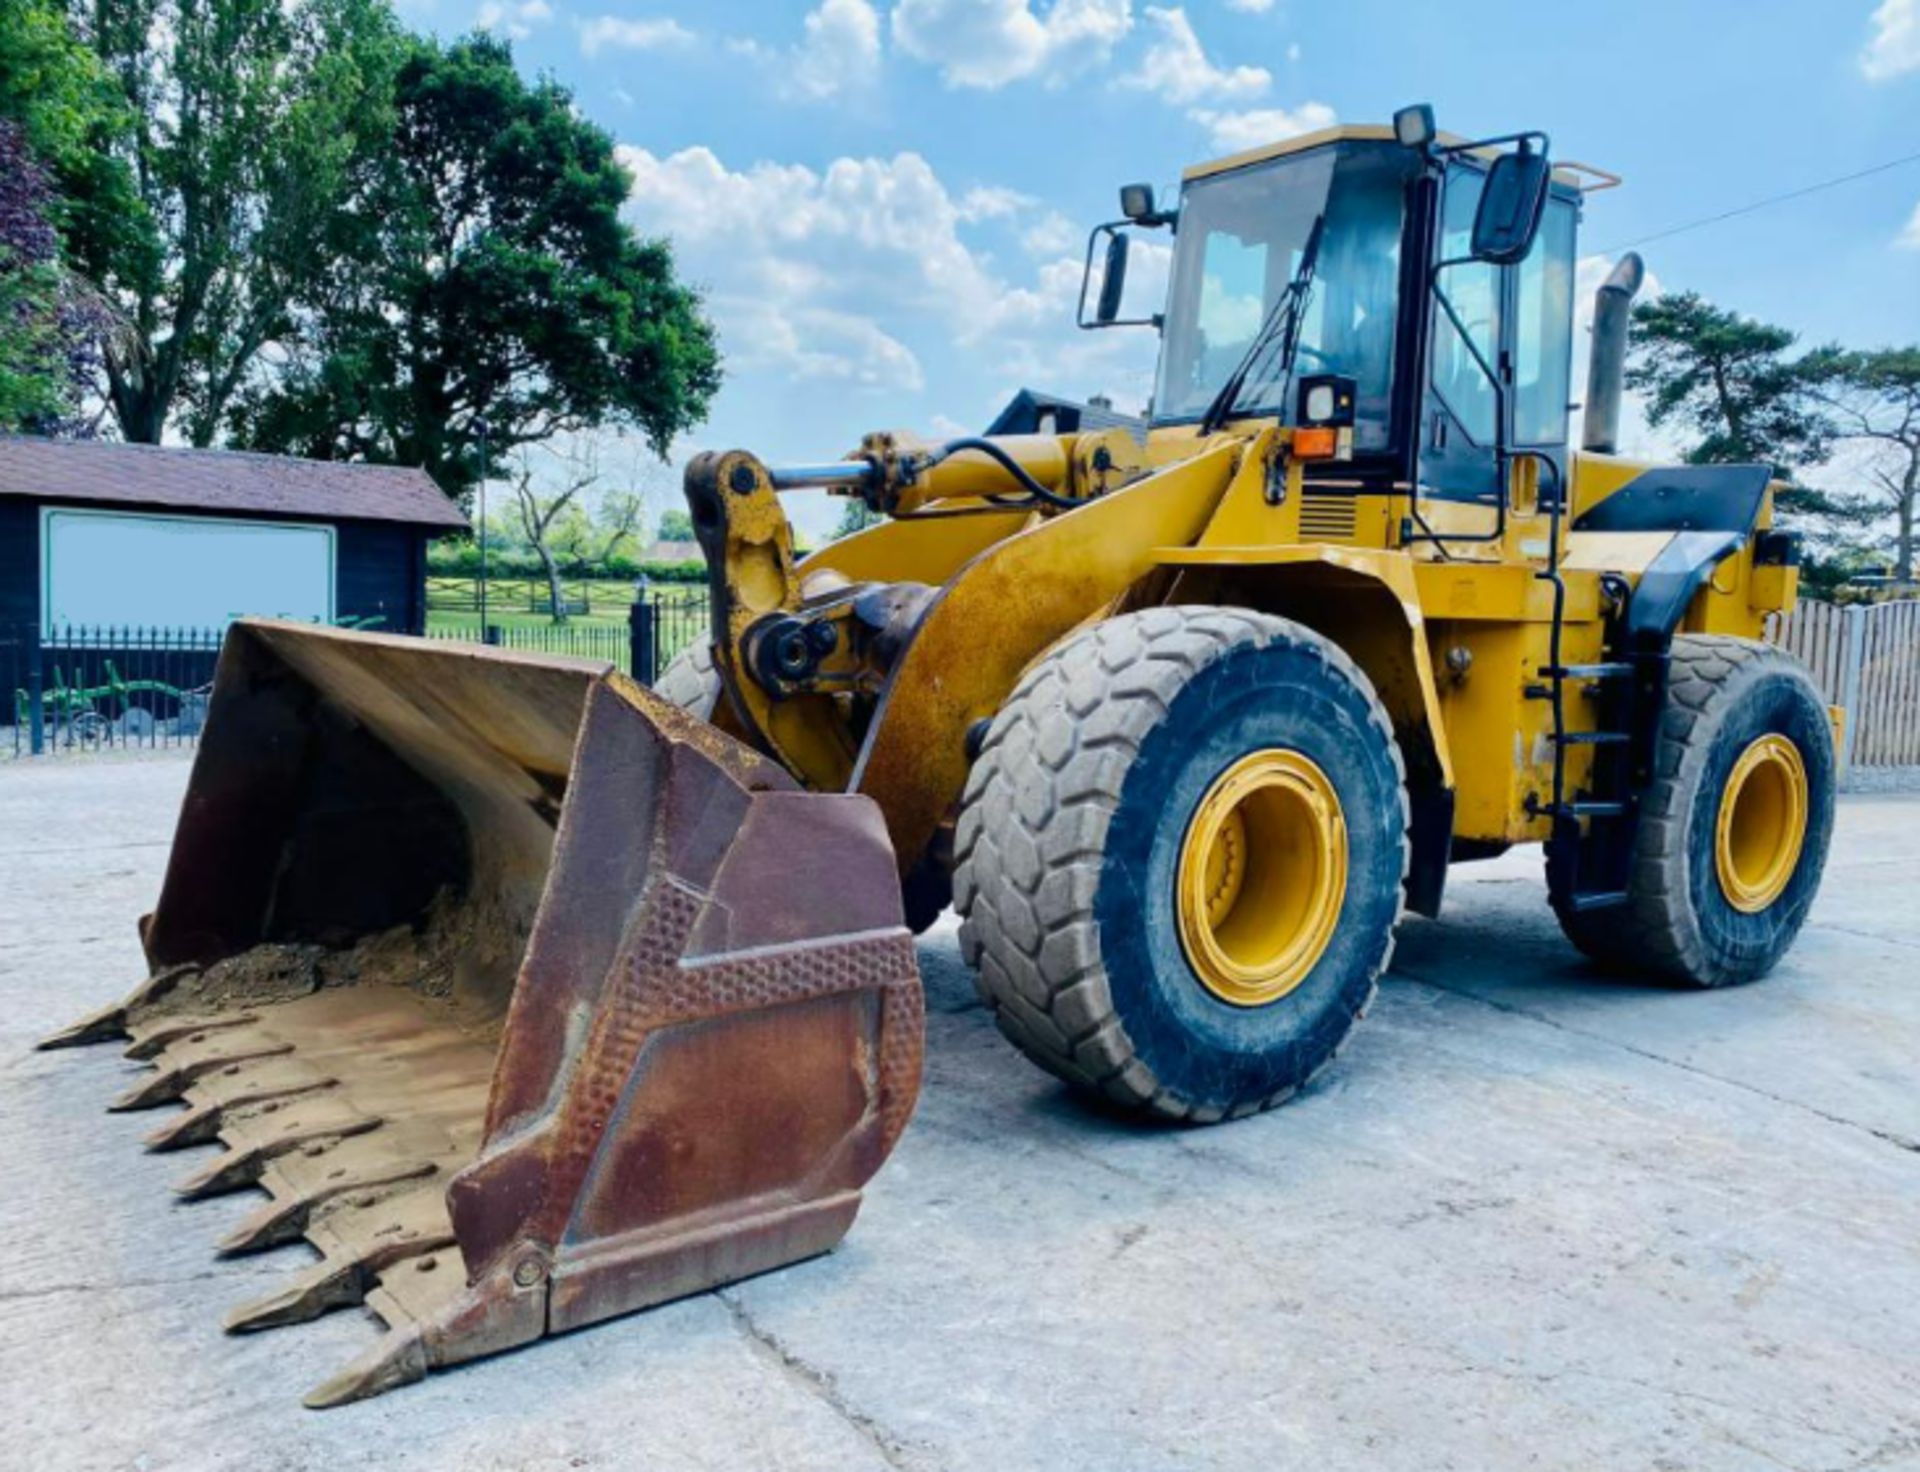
<point x="1007" y="463"/>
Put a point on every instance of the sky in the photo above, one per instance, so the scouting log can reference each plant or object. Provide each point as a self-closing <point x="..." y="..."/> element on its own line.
<point x="885" y="202"/>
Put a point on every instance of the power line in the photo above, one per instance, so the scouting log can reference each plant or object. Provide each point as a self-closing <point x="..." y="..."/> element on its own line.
<point x="1761" y="204"/>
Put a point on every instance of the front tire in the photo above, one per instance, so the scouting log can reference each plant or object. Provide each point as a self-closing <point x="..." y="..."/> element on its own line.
<point x="1180" y="859"/>
<point x="691" y="680"/>
<point x="1735" y="825"/>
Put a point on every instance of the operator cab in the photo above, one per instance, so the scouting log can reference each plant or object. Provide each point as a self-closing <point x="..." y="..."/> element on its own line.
<point x="1410" y="318"/>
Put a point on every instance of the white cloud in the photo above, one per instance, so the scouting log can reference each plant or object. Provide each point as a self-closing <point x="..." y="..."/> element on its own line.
<point x="1251" y="7"/>
<point x="840" y="50"/>
<point x="993" y="202"/>
<point x="515" y="20"/>
<point x="1233" y="132"/>
<point x="818" y="343"/>
<point x="1293" y="51"/>
<point x="1909" y="238"/>
<point x="1177" y="70"/>
<point x="989" y="43"/>
<point x="1894" y="48"/>
<point x="1050" y="235"/>
<point x="835" y="275"/>
<point x="660" y="34"/>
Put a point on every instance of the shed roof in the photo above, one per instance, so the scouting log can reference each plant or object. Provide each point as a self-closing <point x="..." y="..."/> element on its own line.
<point x="673" y="552"/>
<point x="1026" y="409"/>
<point x="225" y="481"/>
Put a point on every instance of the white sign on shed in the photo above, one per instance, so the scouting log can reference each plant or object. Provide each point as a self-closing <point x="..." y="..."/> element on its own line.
<point x="140" y="570"/>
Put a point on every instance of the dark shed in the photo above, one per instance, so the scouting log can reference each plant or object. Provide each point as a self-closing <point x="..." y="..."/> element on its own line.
<point x="1031" y="412"/>
<point x="144" y="535"/>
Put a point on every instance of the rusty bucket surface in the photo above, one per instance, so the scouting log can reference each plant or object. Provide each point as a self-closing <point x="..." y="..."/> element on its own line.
<point x="528" y="999"/>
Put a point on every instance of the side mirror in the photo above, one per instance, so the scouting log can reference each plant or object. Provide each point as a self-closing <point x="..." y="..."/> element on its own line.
<point x="1511" y="204"/>
<point x="1113" y="279"/>
<point x="1136" y="203"/>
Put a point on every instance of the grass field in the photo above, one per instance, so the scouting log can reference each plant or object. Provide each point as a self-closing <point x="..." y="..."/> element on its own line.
<point x="514" y="607"/>
<point x="442" y="620"/>
<point x="519" y="603"/>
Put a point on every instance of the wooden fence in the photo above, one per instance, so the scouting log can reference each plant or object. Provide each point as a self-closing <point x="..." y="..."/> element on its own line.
<point x="1867" y="659"/>
<point x="508" y="595"/>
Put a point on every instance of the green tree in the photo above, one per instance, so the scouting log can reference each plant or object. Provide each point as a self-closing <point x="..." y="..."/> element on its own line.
<point x="1728" y="380"/>
<point x="247" y="118"/>
<point x="73" y="119"/>
<point x="552" y="494"/>
<point x="676" y="526"/>
<point x="1874" y="401"/>
<point x="855" y="516"/>
<point x="486" y="277"/>
<point x="50" y="321"/>
<point x="33" y="369"/>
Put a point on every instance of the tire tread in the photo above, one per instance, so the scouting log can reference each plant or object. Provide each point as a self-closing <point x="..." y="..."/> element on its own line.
<point x="1037" y="806"/>
<point x="1706" y="674"/>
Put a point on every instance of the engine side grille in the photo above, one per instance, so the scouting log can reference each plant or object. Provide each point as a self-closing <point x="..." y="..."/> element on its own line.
<point x="1327" y="517"/>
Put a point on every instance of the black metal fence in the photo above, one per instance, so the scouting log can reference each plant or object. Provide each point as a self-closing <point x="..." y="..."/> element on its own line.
<point x="659" y="625"/>
<point x="97" y="689"/>
<point x="588" y="641"/>
<point x="89" y="689"/>
<point x="673" y="619"/>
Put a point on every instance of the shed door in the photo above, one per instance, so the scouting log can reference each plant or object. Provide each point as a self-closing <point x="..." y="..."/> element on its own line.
<point x="128" y="569"/>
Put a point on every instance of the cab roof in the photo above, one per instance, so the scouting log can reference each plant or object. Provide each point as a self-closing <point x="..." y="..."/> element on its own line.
<point x="1583" y="177"/>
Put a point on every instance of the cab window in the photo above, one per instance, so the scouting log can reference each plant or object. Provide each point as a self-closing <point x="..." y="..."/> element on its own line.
<point x="1473" y="287"/>
<point x="1543" y="331"/>
<point x="1242" y="236"/>
<point x="1232" y="295"/>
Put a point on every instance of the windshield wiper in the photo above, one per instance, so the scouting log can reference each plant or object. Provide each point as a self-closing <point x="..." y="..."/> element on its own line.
<point x="1282" y="323"/>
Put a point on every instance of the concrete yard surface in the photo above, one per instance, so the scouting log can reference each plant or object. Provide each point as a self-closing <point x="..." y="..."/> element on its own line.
<point x="1534" y="1217"/>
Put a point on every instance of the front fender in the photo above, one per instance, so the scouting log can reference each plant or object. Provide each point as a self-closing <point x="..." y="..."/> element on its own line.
<point x="996" y="616"/>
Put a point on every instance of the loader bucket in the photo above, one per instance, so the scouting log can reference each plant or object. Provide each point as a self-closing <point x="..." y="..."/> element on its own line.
<point x="528" y="999"/>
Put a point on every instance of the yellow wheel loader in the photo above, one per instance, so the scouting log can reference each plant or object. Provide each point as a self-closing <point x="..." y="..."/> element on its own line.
<point x="531" y="997"/>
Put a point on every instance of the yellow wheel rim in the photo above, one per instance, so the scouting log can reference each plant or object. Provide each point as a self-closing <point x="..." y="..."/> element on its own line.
<point x="1262" y="876"/>
<point x="1762" y="824"/>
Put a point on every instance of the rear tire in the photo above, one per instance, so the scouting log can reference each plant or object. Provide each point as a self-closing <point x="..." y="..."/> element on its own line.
<point x="1691" y="916"/>
<point x="691" y="680"/>
<point x="1073" y="857"/>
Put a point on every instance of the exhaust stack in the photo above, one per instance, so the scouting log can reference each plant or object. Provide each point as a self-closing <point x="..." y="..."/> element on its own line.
<point x="1607" y="363"/>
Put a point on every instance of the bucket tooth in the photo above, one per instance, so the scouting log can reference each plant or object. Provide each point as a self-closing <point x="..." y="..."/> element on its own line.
<point x="96" y="1027"/>
<point x="201" y="1124"/>
<point x="357" y="1245"/>
<point x="168" y="1085"/>
<point x="320" y="1289"/>
<point x="334" y="1282"/>
<point x="285" y="1220"/>
<point x="150" y="1043"/>
<point x="234" y="1170"/>
<point x="111" y="1022"/>
<point x="400" y="1358"/>
<point x="242" y="1166"/>
<point x="436" y="1318"/>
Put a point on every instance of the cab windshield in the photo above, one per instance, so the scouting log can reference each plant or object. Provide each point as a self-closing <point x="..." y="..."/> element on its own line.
<point x="1241" y="237"/>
